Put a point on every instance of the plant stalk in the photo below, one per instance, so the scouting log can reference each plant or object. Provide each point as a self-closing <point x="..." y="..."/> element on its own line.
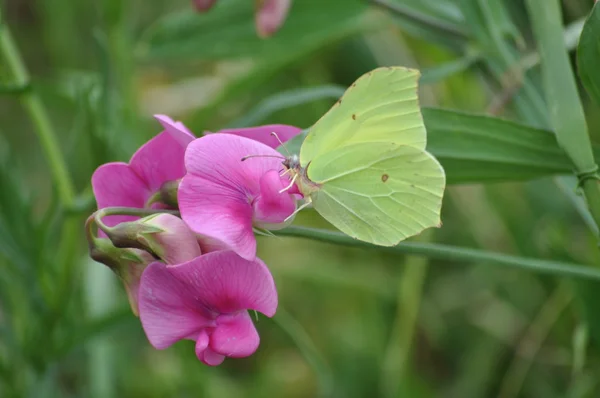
<point x="39" y="116"/>
<point x="450" y="253"/>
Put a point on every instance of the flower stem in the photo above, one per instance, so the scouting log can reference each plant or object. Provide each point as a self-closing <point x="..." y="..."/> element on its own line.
<point x="32" y="103"/>
<point x="450" y="253"/>
<point x="564" y="104"/>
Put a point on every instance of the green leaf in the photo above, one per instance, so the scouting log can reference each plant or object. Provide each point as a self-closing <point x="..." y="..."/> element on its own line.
<point x="560" y="88"/>
<point x="588" y="54"/>
<point x="229" y="27"/>
<point x="477" y="148"/>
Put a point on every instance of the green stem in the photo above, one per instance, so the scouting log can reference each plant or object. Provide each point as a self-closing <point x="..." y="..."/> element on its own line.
<point x="396" y="364"/>
<point x="39" y="116"/>
<point x="124" y="211"/>
<point x="450" y="253"/>
<point x="564" y="103"/>
<point x="423" y="19"/>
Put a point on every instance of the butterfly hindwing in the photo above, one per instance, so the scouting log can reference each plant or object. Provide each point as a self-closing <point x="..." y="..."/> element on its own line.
<point x="378" y="192"/>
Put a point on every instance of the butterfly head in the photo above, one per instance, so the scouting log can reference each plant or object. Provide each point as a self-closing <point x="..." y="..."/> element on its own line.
<point x="292" y="162"/>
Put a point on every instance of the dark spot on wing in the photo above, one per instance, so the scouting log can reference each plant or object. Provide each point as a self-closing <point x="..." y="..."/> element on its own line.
<point x="353" y="116"/>
<point x="384" y="177"/>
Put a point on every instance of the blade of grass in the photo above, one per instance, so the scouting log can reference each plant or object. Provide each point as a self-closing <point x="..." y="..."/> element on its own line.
<point x="564" y="104"/>
<point x="397" y="358"/>
<point x="38" y="114"/>
<point x="533" y="340"/>
<point x="307" y="348"/>
<point x="451" y="253"/>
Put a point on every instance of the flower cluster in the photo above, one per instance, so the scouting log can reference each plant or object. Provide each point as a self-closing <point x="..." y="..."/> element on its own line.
<point x="176" y="224"/>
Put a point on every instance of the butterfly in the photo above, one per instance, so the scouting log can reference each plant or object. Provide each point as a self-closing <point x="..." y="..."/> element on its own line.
<point x="363" y="166"/>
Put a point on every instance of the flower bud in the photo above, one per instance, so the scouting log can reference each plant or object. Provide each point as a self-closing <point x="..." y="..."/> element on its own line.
<point x="164" y="235"/>
<point x="128" y="264"/>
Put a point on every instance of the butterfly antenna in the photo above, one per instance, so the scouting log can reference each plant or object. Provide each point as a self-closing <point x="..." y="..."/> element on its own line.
<point x="262" y="156"/>
<point x="274" y="134"/>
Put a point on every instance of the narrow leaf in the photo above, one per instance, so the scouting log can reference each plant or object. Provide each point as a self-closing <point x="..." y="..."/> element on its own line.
<point x="588" y="54"/>
<point x="477" y="148"/>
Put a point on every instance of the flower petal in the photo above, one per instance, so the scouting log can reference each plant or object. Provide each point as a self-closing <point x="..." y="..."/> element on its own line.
<point x="271" y="16"/>
<point x="225" y="283"/>
<point x="217" y="212"/>
<point x="115" y="184"/>
<point x="272" y="207"/>
<point x="159" y="160"/>
<point x="235" y="336"/>
<point x="264" y="133"/>
<point x="215" y="196"/>
<point x="211" y="358"/>
<point x="177" y="130"/>
<point x="168" y="309"/>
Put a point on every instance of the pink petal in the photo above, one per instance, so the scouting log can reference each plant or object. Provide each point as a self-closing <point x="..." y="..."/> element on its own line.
<point x="215" y="196"/>
<point x="220" y="214"/>
<point x="203" y="5"/>
<point x="115" y="184"/>
<point x="211" y="358"/>
<point x="225" y="283"/>
<point x="159" y="160"/>
<point x="271" y="16"/>
<point x="263" y="133"/>
<point x="272" y="207"/>
<point x="177" y="130"/>
<point x="235" y="336"/>
<point x="168" y="309"/>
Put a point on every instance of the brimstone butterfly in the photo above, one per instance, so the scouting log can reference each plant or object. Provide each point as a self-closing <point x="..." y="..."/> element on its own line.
<point x="364" y="166"/>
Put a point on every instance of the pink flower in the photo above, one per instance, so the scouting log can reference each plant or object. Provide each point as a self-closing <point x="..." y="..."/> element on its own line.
<point x="158" y="161"/>
<point x="207" y="300"/>
<point x="265" y="135"/>
<point x="269" y="16"/>
<point x="222" y="197"/>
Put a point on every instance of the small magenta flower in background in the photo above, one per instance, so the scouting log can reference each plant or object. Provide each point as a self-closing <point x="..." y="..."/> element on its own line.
<point x="269" y="16"/>
<point x="207" y="300"/>
<point x="223" y="197"/>
<point x="158" y="161"/>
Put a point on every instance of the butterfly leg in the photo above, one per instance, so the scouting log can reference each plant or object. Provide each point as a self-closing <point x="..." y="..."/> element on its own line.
<point x="291" y="184"/>
<point x="304" y="205"/>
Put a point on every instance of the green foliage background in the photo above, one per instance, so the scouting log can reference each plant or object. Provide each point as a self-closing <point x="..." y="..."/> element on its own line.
<point x="353" y="322"/>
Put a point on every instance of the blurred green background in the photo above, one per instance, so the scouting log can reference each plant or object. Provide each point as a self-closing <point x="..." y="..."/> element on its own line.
<point x="351" y="323"/>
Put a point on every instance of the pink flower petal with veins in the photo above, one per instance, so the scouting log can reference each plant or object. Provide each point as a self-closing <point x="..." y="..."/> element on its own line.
<point x="116" y="184"/>
<point x="154" y="163"/>
<point x="167" y="307"/>
<point x="272" y="208"/>
<point x="264" y="133"/>
<point x="218" y="194"/>
<point x="207" y="299"/>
